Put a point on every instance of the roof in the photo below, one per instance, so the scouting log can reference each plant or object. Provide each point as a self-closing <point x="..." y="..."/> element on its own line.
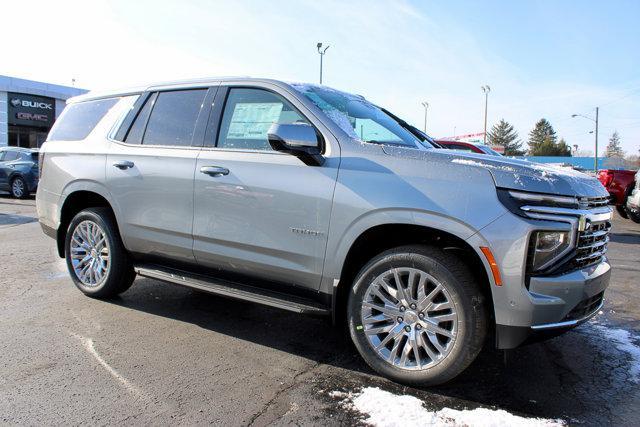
<point x="197" y="82"/>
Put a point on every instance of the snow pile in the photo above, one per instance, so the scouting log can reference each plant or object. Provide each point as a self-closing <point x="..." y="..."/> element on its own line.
<point x="625" y="342"/>
<point x="382" y="408"/>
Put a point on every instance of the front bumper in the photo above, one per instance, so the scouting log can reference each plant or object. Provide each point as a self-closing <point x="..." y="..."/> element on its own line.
<point x="558" y="304"/>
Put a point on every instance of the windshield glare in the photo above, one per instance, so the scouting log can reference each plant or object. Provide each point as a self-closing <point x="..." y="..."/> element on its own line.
<point x="359" y="118"/>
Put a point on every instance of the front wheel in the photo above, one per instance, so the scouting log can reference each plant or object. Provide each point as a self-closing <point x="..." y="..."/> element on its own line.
<point x="416" y="315"/>
<point x="634" y="215"/>
<point x="96" y="258"/>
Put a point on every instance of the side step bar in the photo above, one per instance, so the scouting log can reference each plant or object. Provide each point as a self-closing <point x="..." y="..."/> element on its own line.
<point x="234" y="290"/>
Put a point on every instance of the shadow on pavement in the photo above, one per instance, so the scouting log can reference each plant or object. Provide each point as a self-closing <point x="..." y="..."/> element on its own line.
<point x="572" y="377"/>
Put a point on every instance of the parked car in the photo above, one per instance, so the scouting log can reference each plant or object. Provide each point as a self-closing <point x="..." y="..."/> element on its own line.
<point x="316" y="201"/>
<point x="18" y="171"/>
<point x="467" y="146"/>
<point x="619" y="184"/>
<point x="633" y="201"/>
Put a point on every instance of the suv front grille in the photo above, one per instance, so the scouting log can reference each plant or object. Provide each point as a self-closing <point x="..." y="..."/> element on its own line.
<point x="585" y="307"/>
<point x="593" y="202"/>
<point x="592" y="244"/>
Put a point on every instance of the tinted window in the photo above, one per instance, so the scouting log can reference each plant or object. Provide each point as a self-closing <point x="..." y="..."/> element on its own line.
<point x="248" y="115"/>
<point x="173" y="117"/>
<point x="134" y="136"/>
<point x="78" y="120"/>
<point x="10" y="156"/>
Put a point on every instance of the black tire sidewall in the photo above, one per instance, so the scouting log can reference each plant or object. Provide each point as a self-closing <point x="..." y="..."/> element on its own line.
<point x="470" y="316"/>
<point x="118" y="260"/>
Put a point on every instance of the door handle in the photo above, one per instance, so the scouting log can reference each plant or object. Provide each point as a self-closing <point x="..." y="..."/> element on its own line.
<point x="123" y="164"/>
<point x="214" y="170"/>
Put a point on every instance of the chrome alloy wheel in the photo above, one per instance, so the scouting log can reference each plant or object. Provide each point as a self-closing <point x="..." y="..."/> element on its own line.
<point x="409" y="318"/>
<point x="17" y="187"/>
<point x="89" y="253"/>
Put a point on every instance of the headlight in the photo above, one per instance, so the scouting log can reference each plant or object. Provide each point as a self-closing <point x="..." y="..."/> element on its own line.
<point x="547" y="247"/>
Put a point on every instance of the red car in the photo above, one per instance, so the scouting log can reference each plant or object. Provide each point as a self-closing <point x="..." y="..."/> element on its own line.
<point x="619" y="184"/>
<point x="467" y="146"/>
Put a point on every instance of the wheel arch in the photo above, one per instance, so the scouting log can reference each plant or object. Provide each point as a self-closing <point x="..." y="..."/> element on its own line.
<point x="75" y="200"/>
<point x="381" y="237"/>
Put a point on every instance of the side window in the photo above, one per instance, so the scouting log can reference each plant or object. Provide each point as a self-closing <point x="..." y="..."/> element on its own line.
<point x="134" y="136"/>
<point x="10" y="156"/>
<point x="2" y="153"/>
<point x="248" y="115"/>
<point x="78" y="120"/>
<point x="173" y="117"/>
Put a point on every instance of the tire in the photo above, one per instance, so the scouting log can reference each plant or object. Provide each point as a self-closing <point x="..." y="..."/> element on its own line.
<point x="465" y="320"/>
<point x="107" y="268"/>
<point x="634" y="215"/>
<point x="622" y="210"/>
<point x="19" y="188"/>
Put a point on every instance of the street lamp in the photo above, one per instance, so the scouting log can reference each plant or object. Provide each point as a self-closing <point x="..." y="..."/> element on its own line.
<point x="595" y="157"/>
<point x="425" y="104"/>
<point x="486" y="89"/>
<point x="321" y="51"/>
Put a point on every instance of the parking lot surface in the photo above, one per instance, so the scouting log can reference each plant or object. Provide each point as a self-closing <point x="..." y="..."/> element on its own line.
<point x="163" y="354"/>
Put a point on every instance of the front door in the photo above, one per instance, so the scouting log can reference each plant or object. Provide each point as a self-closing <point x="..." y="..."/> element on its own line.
<point x="263" y="213"/>
<point x="150" y="174"/>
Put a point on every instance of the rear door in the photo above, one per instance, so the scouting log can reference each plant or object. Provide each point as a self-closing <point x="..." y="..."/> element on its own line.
<point x="150" y="172"/>
<point x="267" y="213"/>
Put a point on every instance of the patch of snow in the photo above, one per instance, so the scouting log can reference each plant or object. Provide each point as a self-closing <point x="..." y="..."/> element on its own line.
<point x="481" y="164"/>
<point x="382" y="408"/>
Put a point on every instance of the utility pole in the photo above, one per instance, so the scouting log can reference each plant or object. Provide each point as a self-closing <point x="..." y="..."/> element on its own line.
<point x="595" y="156"/>
<point x="321" y="52"/>
<point x="425" y="104"/>
<point x="486" y="89"/>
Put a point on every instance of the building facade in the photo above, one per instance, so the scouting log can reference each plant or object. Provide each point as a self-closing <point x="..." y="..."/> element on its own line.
<point x="28" y="109"/>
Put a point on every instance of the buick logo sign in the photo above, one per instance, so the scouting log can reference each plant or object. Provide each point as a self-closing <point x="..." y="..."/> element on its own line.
<point x="31" y="104"/>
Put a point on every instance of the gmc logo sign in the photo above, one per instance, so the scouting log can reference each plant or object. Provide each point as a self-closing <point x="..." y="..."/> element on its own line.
<point x="31" y="104"/>
<point x="32" y="117"/>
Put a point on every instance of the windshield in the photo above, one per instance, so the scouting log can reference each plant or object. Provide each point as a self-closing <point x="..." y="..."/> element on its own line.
<point x="359" y="118"/>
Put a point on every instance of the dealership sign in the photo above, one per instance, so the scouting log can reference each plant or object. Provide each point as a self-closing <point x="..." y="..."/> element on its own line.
<point x="31" y="110"/>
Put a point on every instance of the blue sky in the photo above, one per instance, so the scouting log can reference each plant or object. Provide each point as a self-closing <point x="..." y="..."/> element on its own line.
<point x="541" y="58"/>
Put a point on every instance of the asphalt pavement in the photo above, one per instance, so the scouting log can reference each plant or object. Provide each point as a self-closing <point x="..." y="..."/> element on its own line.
<point x="162" y="354"/>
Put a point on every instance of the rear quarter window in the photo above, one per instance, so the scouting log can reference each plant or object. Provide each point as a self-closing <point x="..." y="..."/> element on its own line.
<point x="78" y="120"/>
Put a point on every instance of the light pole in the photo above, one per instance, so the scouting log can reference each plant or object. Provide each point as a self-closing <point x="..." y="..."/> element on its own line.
<point x="595" y="157"/>
<point x="321" y="51"/>
<point x="425" y="104"/>
<point x="486" y="89"/>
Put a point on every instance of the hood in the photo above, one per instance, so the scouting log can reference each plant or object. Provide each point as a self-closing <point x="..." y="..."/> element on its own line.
<point x="518" y="174"/>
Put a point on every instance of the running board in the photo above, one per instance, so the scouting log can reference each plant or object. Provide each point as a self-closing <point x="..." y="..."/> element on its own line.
<point x="233" y="290"/>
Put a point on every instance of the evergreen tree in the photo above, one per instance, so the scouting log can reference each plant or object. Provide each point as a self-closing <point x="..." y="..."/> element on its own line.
<point x="504" y="135"/>
<point x="614" y="149"/>
<point x="542" y="133"/>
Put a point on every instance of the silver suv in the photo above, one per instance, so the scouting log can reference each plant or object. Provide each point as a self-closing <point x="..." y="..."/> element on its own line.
<point x="317" y="201"/>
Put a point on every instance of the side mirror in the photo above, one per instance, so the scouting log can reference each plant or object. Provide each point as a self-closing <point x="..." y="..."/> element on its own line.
<point x="300" y="140"/>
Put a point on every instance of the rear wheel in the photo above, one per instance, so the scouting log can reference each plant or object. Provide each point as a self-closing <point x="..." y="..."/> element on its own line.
<point x="97" y="261"/>
<point x="416" y="316"/>
<point x="19" y="188"/>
